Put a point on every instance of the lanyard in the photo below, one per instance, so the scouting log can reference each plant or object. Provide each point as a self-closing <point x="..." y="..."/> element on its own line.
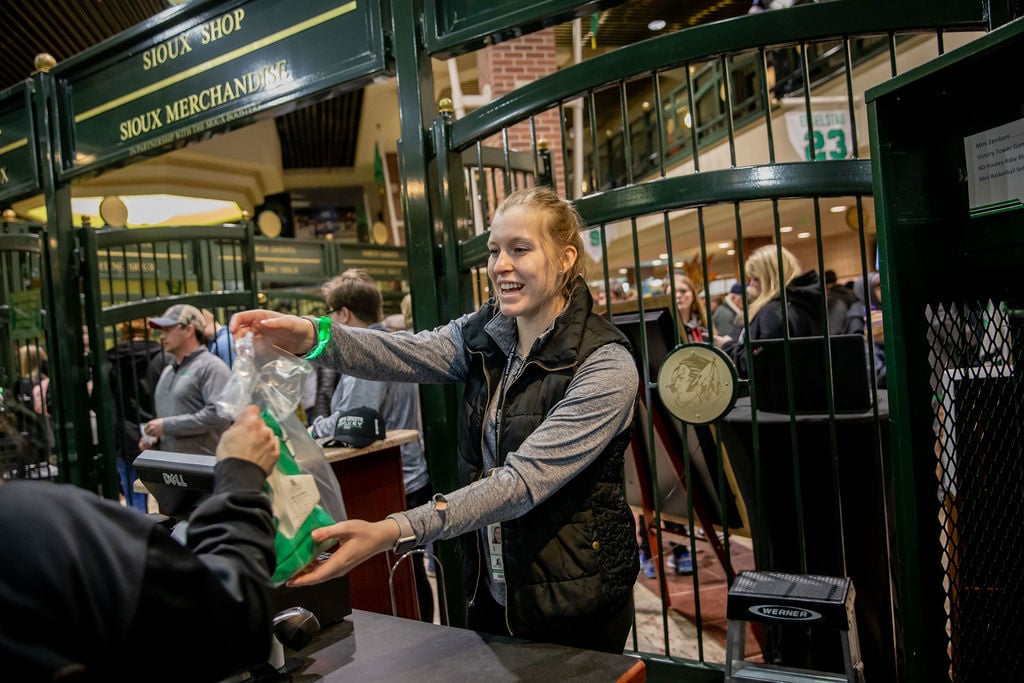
<point x="500" y="399"/>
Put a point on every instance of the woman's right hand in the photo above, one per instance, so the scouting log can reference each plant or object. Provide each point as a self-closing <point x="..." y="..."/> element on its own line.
<point x="359" y="541"/>
<point x="295" y="335"/>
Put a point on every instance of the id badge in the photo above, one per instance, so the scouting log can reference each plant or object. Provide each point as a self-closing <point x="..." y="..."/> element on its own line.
<point x="494" y="547"/>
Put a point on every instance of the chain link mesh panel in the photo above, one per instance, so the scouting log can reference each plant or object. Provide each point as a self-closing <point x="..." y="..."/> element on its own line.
<point x="980" y="475"/>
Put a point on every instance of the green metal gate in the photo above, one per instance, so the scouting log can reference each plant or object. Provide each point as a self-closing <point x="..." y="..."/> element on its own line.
<point x="706" y="160"/>
<point x="951" y="258"/>
<point x="27" y="447"/>
<point x="131" y="275"/>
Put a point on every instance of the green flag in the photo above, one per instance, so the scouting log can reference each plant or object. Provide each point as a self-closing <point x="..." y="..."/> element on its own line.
<point x="378" y="165"/>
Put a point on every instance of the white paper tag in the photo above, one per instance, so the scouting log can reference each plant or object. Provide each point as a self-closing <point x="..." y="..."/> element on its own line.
<point x="494" y="547"/>
<point x="295" y="496"/>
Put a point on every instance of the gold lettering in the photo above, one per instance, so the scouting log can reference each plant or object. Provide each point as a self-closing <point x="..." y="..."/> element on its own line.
<point x="224" y="25"/>
<point x="4" y="178"/>
<point x="137" y="125"/>
<point x="165" y="52"/>
<point x="196" y="103"/>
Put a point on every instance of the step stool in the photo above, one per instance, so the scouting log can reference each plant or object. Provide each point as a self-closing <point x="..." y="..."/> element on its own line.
<point x="824" y="602"/>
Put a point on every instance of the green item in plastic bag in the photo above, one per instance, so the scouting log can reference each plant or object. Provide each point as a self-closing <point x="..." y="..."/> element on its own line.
<point x="297" y="510"/>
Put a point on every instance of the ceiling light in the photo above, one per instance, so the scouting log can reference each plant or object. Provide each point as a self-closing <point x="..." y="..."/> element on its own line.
<point x="656" y="262"/>
<point x="154" y="210"/>
<point x="623" y="271"/>
<point x="731" y="252"/>
<point x="786" y="228"/>
<point x="838" y="209"/>
<point x="724" y="245"/>
<point x="646" y="104"/>
<point x="678" y="264"/>
<point x="803" y="235"/>
<point x="663" y="256"/>
<point x="656" y="25"/>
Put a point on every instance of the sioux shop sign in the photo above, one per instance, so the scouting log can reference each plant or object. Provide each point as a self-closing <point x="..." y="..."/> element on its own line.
<point x="208" y="71"/>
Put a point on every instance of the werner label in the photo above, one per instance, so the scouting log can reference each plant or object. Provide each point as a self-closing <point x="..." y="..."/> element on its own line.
<point x="995" y="169"/>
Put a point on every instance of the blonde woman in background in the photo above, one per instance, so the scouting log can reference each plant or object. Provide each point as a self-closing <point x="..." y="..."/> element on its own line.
<point x="803" y="302"/>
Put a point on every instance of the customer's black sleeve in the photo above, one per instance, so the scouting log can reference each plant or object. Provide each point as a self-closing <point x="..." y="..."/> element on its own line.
<point x="205" y="608"/>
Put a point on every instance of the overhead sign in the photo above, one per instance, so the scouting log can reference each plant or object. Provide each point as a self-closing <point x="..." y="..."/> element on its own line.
<point x="383" y="263"/>
<point x="289" y="261"/>
<point x="209" y="68"/>
<point x="19" y="172"/>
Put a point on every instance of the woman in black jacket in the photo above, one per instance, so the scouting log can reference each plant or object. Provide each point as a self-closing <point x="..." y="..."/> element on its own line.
<point x="803" y="302"/>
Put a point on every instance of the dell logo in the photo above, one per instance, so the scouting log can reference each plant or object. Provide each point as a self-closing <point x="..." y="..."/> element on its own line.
<point x="783" y="613"/>
<point x="174" y="480"/>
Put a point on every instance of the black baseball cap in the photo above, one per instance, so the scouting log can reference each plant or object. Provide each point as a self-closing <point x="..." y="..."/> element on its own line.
<point x="356" y="428"/>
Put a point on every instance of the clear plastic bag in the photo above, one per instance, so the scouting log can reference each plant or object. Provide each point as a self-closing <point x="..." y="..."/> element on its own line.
<point x="303" y="488"/>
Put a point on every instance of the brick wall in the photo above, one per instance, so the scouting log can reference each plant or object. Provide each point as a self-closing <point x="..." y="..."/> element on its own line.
<point x="512" y="64"/>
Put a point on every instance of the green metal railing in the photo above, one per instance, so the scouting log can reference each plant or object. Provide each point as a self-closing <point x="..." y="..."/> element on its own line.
<point x="740" y="189"/>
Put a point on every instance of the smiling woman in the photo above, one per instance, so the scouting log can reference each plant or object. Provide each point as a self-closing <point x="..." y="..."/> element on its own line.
<point x="549" y="543"/>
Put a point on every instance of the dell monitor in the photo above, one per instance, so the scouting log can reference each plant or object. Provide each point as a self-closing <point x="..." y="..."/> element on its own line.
<point x="178" y="481"/>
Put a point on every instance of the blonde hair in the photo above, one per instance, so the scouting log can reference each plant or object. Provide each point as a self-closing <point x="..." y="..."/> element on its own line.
<point x="763" y="264"/>
<point x="561" y="225"/>
<point x="406" y="308"/>
<point x="30" y="359"/>
<point x="698" y="302"/>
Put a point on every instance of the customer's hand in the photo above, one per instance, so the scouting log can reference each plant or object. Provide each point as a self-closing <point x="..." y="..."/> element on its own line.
<point x="289" y="332"/>
<point x="360" y="541"/>
<point x="249" y="438"/>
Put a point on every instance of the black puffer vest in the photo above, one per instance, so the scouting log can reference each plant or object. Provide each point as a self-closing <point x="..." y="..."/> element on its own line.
<point x="572" y="559"/>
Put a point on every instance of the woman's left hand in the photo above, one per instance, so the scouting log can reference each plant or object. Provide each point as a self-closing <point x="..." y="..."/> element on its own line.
<point x="359" y="541"/>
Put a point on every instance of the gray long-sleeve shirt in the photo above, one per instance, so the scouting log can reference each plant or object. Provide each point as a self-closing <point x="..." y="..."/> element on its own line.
<point x="184" y="399"/>
<point x="598" y="404"/>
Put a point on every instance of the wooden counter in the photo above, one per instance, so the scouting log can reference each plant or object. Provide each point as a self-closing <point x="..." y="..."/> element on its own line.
<point x="372" y="487"/>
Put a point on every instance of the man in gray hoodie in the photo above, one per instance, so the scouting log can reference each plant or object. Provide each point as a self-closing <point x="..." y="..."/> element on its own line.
<point x="187" y="419"/>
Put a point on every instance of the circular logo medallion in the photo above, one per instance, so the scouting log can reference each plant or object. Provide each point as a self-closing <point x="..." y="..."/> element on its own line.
<point x="697" y="383"/>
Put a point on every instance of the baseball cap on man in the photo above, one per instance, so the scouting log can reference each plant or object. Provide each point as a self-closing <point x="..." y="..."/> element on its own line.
<point x="179" y="314"/>
<point x="737" y="288"/>
<point x="356" y="428"/>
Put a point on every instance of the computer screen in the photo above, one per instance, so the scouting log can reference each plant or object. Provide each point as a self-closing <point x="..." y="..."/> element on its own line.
<point x="178" y="481"/>
<point x="657" y="337"/>
<point x="808" y="374"/>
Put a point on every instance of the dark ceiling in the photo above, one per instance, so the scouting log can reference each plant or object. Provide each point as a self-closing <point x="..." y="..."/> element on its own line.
<point x="321" y="135"/>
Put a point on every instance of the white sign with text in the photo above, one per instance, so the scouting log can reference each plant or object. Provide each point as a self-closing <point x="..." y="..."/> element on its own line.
<point x="995" y="169"/>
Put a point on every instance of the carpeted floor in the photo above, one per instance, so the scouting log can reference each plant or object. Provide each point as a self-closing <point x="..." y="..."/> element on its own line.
<point x="706" y="588"/>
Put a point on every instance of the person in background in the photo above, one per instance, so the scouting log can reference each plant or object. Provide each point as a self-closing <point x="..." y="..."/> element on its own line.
<point x="693" y="322"/>
<point x="406" y="308"/>
<point x="869" y="308"/>
<point x="219" y="338"/>
<point x="729" y="315"/>
<point x="803" y="302"/>
<point x="135" y="364"/>
<point x="90" y="590"/>
<point x="548" y="410"/>
<point x="186" y="417"/>
<point x="356" y="302"/>
<point x="32" y="413"/>
<point x="845" y="315"/>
